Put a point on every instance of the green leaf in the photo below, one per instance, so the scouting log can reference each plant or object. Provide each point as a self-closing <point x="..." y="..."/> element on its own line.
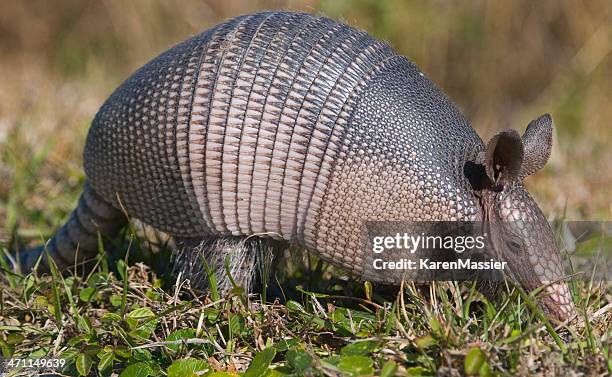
<point x="111" y="317"/>
<point x="55" y="276"/>
<point x="153" y="295"/>
<point x="368" y="290"/>
<point x="75" y="341"/>
<point x="426" y="341"/>
<point x="188" y="368"/>
<point x="145" y="330"/>
<point x="6" y="349"/>
<point x="181" y="334"/>
<point x="123" y="352"/>
<point x="222" y="374"/>
<point x="141" y="314"/>
<point x="261" y="363"/>
<point x="436" y="327"/>
<point x="236" y="324"/>
<point x="91" y="349"/>
<point x="295" y="306"/>
<point x="106" y="360"/>
<point x="360" y="348"/>
<point x="274" y="373"/>
<point x="389" y="369"/>
<point x="332" y="360"/>
<point x="300" y="360"/>
<point x="115" y="300"/>
<point x="121" y="268"/>
<point x="142" y="322"/>
<point x="473" y="361"/>
<point x="137" y="370"/>
<point x="69" y="354"/>
<point x="84" y="325"/>
<point x="131" y="322"/>
<point x="97" y="278"/>
<point x="83" y="364"/>
<point x="299" y="288"/>
<point x="485" y="370"/>
<point x="86" y="294"/>
<point x="356" y="365"/>
<point x="418" y="371"/>
<point x="14" y="338"/>
<point x="40" y="302"/>
<point x="285" y="344"/>
<point x="142" y="354"/>
<point x="29" y="284"/>
<point x="211" y="276"/>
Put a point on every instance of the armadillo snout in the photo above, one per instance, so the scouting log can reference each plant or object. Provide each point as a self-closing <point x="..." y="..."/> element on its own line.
<point x="557" y="301"/>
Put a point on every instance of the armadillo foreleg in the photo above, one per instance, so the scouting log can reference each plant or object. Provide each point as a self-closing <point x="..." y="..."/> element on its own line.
<point x="245" y="258"/>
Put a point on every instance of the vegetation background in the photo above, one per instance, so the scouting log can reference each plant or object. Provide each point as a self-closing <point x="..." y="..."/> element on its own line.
<point x="502" y="62"/>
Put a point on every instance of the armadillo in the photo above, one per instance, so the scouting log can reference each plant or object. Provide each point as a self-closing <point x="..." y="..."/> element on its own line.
<point x="291" y="127"/>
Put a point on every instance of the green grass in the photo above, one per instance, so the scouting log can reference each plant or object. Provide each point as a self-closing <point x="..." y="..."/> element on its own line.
<point x="129" y="315"/>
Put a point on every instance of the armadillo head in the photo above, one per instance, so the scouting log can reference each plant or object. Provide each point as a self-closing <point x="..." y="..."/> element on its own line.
<point x="518" y="231"/>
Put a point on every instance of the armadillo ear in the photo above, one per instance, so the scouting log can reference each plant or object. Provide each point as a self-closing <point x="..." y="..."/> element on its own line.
<point x="537" y="140"/>
<point x="504" y="157"/>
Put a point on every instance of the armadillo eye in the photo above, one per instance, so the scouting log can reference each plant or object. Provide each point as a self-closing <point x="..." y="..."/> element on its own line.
<point x="513" y="245"/>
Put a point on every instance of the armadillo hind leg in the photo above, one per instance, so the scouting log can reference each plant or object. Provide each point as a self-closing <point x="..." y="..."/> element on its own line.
<point x="247" y="259"/>
<point x="77" y="240"/>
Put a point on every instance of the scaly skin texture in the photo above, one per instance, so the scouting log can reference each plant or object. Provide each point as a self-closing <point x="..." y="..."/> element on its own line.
<point x="291" y="127"/>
